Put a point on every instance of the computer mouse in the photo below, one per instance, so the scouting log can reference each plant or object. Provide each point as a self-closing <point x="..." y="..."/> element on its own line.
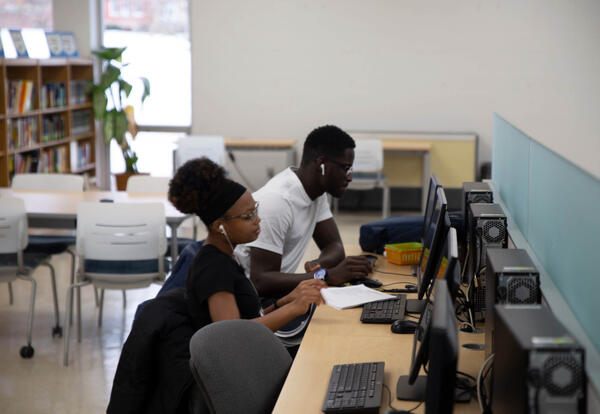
<point x="367" y="281"/>
<point x="403" y="326"/>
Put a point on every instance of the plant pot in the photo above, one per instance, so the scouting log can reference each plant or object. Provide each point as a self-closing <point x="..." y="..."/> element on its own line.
<point x="121" y="179"/>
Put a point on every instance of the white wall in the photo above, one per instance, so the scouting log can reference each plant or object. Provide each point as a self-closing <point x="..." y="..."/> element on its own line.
<point x="272" y="68"/>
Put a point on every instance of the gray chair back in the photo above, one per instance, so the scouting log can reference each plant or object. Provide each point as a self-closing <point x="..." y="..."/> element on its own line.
<point x="239" y="365"/>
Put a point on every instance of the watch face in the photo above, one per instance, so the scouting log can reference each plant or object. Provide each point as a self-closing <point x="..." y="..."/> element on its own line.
<point x="320" y="274"/>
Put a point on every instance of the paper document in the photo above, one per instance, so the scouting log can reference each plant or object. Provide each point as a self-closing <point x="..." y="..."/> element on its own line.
<point x="351" y="296"/>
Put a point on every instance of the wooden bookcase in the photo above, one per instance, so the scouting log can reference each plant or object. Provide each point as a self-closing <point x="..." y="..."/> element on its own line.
<point x="51" y="128"/>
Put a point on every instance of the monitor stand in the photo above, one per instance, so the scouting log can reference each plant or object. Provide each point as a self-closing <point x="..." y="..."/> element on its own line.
<point x="415" y="305"/>
<point x="417" y="391"/>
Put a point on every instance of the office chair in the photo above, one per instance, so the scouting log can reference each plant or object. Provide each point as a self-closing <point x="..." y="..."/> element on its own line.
<point x="367" y="172"/>
<point x="120" y="246"/>
<point x="239" y="366"/>
<point x="147" y="184"/>
<point x="16" y="263"/>
<point x="196" y="146"/>
<point x="50" y="244"/>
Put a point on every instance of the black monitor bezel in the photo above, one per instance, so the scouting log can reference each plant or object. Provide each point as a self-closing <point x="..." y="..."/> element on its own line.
<point x="434" y="184"/>
<point x="434" y="256"/>
<point x="443" y="351"/>
<point x="450" y="252"/>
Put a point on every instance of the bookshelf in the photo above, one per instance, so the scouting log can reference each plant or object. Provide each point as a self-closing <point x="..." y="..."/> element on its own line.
<point x="46" y="118"/>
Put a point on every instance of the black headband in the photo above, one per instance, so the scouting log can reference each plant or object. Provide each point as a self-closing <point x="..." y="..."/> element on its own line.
<point x="222" y="201"/>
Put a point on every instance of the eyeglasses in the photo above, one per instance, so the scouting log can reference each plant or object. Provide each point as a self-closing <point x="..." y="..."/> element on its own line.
<point x="347" y="168"/>
<point x="248" y="217"/>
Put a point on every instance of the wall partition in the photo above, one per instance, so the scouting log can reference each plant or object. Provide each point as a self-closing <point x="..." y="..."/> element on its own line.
<point x="554" y="212"/>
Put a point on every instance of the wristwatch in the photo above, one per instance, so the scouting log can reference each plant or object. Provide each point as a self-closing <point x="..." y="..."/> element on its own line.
<point x="321" y="274"/>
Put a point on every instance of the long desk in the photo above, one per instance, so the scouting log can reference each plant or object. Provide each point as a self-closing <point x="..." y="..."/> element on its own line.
<point x="58" y="209"/>
<point x="336" y="337"/>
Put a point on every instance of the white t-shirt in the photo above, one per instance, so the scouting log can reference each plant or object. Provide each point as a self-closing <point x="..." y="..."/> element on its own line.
<point x="288" y="218"/>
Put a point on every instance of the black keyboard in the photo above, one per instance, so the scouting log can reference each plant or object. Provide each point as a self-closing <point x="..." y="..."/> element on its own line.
<point x="384" y="311"/>
<point x="355" y="388"/>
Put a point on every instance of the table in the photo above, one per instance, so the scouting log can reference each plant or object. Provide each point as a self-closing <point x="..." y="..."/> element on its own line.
<point x="336" y="337"/>
<point x="58" y="209"/>
<point x="264" y="144"/>
<point x="411" y="148"/>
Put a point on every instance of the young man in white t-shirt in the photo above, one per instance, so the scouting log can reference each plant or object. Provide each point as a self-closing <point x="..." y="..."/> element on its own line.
<point x="293" y="208"/>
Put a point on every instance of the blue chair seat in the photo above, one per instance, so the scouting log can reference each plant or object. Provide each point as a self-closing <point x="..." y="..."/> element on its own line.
<point x="49" y="244"/>
<point x="31" y="260"/>
<point x="124" y="266"/>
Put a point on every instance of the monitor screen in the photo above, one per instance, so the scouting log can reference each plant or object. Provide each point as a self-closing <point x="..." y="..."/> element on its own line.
<point x="443" y="353"/>
<point x="434" y="183"/>
<point x="439" y="200"/>
<point x="431" y="255"/>
<point x="449" y="266"/>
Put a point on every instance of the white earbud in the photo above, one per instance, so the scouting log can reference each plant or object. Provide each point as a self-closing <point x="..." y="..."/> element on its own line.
<point x="322" y="169"/>
<point x="222" y="228"/>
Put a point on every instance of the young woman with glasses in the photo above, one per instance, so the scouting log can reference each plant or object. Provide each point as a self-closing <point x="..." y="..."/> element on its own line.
<point x="217" y="287"/>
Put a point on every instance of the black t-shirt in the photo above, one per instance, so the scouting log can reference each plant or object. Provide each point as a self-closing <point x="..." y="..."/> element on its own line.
<point x="213" y="271"/>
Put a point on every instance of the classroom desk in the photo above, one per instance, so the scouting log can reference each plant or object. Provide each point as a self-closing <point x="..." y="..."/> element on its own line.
<point x="288" y="145"/>
<point x="336" y="337"/>
<point x="58" y="209"/>
<point x="412" y="148"/>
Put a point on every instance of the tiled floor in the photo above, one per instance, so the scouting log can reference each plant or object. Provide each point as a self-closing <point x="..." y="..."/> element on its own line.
<point x="42" y="384"/>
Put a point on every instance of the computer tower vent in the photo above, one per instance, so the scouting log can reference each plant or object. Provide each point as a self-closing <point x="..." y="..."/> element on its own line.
<point x="479" y="197"/>
<point x="562" y="375"/>
<point x="494" y="231"/>
<point x="556" y="379"/>
<point x="517" y="290"/>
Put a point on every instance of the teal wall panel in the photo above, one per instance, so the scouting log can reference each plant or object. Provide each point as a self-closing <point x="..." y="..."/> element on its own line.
<point x="510" y="169"/>
<point x="564" y="232"/>
<point x="556" y="207"/>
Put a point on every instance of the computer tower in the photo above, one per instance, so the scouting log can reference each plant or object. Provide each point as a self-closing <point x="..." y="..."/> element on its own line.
<point x="487" y="228"/>
<point x="538" y="366"/>
<point x="472" y="192"/>
<point x="511" y="279"/>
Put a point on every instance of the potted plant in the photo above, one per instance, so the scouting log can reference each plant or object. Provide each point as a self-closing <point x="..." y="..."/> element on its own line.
<point x="116" y="115"/>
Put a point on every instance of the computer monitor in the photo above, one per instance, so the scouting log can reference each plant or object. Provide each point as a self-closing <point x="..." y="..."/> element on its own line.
<point x="449" y="267"/>
<point x="434" y="183"/>
<point x="443" y="353"/>
<point x="436" y="346"/>
<point x="431" y="255"/>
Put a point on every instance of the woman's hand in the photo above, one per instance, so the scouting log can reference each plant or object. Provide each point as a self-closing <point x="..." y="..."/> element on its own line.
<point x="307" y="292"/>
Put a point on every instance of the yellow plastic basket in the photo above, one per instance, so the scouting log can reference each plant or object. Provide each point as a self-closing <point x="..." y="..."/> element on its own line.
<point x="403" y="253"/>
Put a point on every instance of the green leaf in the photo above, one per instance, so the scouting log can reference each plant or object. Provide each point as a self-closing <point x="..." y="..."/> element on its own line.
<point x="120" y="125"/>
<point x="124" y="86"/>
<point x="110" y="75"/>
<point x="110" y="53"/>
<point x="146" y="88"/>
<point x="99" y="102"/>
<point x="109" y="126"/>
<point x="131" y="160"/>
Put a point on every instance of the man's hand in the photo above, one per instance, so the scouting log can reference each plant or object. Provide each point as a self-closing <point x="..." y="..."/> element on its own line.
<point x="351" y="267"/>
<point x="311" y="266"/>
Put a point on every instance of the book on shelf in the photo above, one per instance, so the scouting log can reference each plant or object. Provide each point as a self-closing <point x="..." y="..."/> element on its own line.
<point x="20" y="96"/>
<point x="53" y="127"/>
<point x="53" y="95"/>
<point x="26" y="162"/>
<point x="53" y="160"/>
<point x="78" y="92"/>
<point x="81" y="122"/>
<point x="22" y="132"/>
